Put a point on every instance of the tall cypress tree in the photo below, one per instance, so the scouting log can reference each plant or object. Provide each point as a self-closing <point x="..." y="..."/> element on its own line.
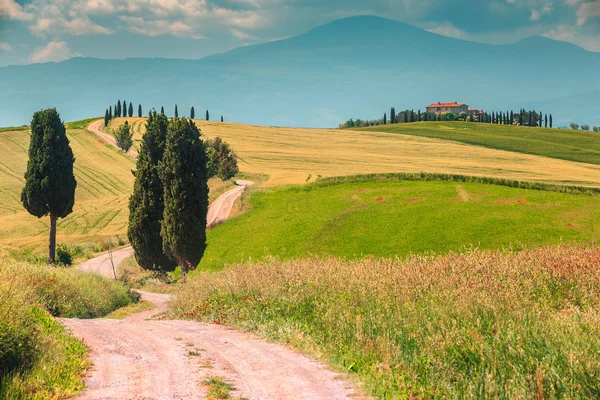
<point x="550" y="120"/>
<point x="49" y="180"/>
<point x="140" y="110"/>
<point x="192" y="113"/>
<point x="146" y="204"/>
<point x="176" y="112"/>
<point x="405" y="116"/>
<point x="110" y="113"/>
<point x="384" y="118"/>
<point x="540" y="120"/>
<point x="207" y="116"/>
<point x="419" y="115"/>
<point x="183" y="173"/>
<point x="106" y="119"/>
<point x="118" y="108"/>
<point x="162" y="110"/>
<point x="546" y="121"/>
<point x="392" y="115"/>
<point x="130" y="110"/>
<point x="124" y="113"/>
<point x="221" y="118"/>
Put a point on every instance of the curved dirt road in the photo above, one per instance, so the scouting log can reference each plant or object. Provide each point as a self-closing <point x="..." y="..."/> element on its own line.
<point x="94" y="127"/>
<point x="141" y="358"/>
<point x="219" y="211"/>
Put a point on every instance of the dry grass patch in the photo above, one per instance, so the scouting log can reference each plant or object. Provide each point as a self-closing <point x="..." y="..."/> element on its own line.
<point x="291" y="155"/>
<point x="474" y="325"/>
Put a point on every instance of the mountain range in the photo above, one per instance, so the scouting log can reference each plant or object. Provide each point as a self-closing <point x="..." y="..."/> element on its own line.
<point x="356" y="67"/>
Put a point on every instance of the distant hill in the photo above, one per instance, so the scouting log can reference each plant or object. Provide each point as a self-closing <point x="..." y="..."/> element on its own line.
<point x="354" y="67"/>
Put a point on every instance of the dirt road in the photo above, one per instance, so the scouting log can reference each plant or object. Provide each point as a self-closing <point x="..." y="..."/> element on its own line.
<point x="94" y="127"/>
<point x="141" y="358"/>
<point x="218" y="212"/>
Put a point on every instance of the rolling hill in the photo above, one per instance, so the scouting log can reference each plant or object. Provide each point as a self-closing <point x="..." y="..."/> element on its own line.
<point x="355" y="67"/>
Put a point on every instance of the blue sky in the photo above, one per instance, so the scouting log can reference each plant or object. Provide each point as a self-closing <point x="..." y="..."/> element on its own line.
<point x="53" y="30"/>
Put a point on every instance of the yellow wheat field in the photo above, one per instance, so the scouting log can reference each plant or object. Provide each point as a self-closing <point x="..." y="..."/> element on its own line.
<point x="296" y="155"/>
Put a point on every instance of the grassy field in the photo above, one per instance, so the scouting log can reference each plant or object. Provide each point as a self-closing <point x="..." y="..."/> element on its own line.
<point x="564" y="144"/>
<point x="296" y="156"/>
<point x="38" y="359"/>
<point x="104" y="183"/>
<point x="387" y="219"/>
<point x="481" y="325"/>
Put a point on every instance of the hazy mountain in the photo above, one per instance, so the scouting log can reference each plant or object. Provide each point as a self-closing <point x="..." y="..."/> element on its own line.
<point x="355" y="67"/>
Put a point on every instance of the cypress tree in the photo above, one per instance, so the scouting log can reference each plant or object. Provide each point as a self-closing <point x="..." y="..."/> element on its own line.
<point x="176" y="112"/>
<point x="512" y="117"/>
<point x="541" y="119"/>
<point x="162" y="110"/>
<point x="392" y="115"/>
<point x="546" y="121"/>
<point x="412" y="116"/>
<point x="124" y="113"/>
<point x="530" y="118"/>
<point x="184" y="176"/>
<point x="550" y="120"/>
<point x="140" y="110"/>
<point x="221" y="118"/>
<point x="384" y="118"/>
<point x="118" y="108"/>
<point x="130" y="110"/>
<point x="110" y="114"/>
<point x="49" y="180"/>
<point x="106" y="117"/>
<point x="419" y="115"/>
<point x="405" y="116"/>
<point x="124" y="137"/>
<point x="207" y="116"/>
<point x="192" y="113"/>
<point x="146" y="204"/>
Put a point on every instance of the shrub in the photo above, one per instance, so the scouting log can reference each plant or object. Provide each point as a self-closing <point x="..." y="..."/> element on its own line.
<point x="585" y="127"/>
<point x="596" y="129"/>
<point x="124" y="137"/>
<point x="63" y="255"/>
<point x="574" y="126"/>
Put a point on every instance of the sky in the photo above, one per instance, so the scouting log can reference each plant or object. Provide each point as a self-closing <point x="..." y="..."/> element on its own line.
<point x="34" y="31"/>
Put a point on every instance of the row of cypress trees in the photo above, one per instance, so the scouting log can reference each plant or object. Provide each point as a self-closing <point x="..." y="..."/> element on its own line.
<point x="124" y="111"/>
<point x="169" y="204"/>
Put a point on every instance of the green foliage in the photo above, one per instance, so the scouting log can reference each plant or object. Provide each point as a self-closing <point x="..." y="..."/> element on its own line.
<point x="146" y="204"/>
<point x="192" y="113"/>
<point x="176" y="112"/>
<point x="124" y="137"/>
<point x="49" y="180"/>
<point x="184" y="176"/>
<point x="130" y="110"/>
<point x="63" y="255"/>
<point x="221" y="160"/>
<point x="389" y="215"/>
<point x="574" y="126"/>
<point x="118" y="108"/>
<point x="207" y="116"/>
<point x="139" y="110"/>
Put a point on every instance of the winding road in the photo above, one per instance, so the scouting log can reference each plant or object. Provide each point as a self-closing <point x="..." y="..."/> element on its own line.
<point x="142" y="357"/>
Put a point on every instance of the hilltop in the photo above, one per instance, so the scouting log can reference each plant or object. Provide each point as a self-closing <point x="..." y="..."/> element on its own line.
<point x="352" y="67"/>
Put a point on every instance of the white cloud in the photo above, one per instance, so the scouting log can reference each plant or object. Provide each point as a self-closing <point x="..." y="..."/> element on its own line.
<point x="54" y="51"/>
<point x="588" y="10"/>
<point x="10" y="9"/>
<point x="76" y="26"/>
<point x="450" y="30"/>
<point x="570" y="34"/>
<point x="159" y="27"/>
<point x="5" y="46"/>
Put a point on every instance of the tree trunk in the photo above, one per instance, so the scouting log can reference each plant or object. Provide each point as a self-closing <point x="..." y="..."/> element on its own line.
<point x="184" y="269"/>
<point x="52" y="241"/>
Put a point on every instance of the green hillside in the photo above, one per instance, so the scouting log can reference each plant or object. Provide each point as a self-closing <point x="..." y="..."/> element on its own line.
<point x="104" y="182"/>
<point x="556" y="143"/>
<point x="388" y="219"/>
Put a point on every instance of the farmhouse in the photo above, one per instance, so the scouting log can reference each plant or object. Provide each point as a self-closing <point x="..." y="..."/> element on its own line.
<point x="440" y="108"/>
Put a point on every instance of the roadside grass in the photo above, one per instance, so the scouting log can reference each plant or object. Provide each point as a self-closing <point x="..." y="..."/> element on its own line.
<point x="477" y="325"/>
<point x="38" y="358"/>
<point x="218" y="388"/>
<point x="126" y="311"/>
<point x="564" y="144"/>
<point x="398" y="218"/>
<point x="298" y="155"/>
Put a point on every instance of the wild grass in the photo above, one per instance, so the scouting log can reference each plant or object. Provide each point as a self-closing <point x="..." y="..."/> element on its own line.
<point x="298" y="156"/>
<point x="477" y="325"/>
<point x="566" y="144"/>
<point x="388" y="218"/>
<point x="38" y="359"/>
<point x="218" y="388"/>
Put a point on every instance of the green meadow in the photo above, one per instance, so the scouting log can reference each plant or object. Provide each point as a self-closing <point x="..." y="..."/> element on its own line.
<point x="564" y="144"/>
<point x="399" y="218"/>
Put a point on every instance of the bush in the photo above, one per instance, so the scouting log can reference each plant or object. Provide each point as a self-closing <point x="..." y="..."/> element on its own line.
<point x="574" y="126"/>
<point x="124" y="137"/>
<point x="221" y="161"/>
<point x="596" y="129"/>
<point x="585" y="127"/>
<point x="63" y="255"/>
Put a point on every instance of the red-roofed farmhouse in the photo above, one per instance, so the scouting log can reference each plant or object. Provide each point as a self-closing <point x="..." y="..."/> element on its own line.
<point x="440" y="108"/>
